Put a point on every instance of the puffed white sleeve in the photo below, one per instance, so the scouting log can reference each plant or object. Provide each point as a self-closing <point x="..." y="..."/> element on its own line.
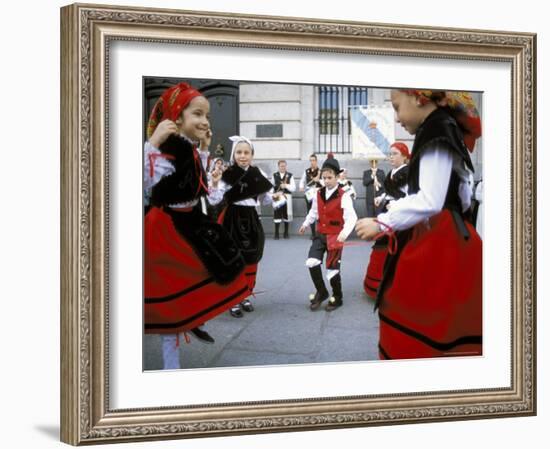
<point x="435" y="169"/>
<point x="478" y="194"/>
<point x="292" y="184"/>
<point x="302" y="184"/>
<point x="266" y="199"/>
<point x="215" y="194"/>
<point x="312" y="215"/>
<point x="156" y="166"/>
<point x="350" y="216"/>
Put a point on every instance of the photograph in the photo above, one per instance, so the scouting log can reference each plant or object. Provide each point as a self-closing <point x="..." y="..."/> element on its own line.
<point x="280" y="224"/>
<point x="258" y="224"/>
<point x="253" y="190"/>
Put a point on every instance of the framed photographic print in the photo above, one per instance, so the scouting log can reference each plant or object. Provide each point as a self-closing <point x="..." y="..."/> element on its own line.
<point x="262" y="95"/>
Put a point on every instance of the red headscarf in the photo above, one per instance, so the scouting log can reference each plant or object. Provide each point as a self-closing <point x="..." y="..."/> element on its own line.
<point x="402" y="148"/>
<point x="170" y="105"/>
<point x="462" y="108"/>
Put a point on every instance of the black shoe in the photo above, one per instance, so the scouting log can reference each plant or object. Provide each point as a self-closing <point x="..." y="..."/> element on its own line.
<point x="334" y="303"/>
<point x="247" y="306"/>
<point x="202" y="335"/>
<point x="317" y="299"/>
<point x="276" y="237"/>
<point x="236" y="311"/>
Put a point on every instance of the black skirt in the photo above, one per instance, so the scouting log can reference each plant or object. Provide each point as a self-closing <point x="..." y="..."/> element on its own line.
<point x="243" y="224"/>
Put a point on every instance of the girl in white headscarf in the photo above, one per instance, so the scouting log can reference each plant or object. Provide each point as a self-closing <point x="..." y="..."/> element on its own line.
<point x="241" y="188"/>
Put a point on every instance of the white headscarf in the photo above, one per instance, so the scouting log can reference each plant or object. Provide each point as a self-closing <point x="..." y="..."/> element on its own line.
<point x="236" y="140"/>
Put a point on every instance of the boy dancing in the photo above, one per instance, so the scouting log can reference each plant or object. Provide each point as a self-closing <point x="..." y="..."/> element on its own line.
<point x="333" y="209"/>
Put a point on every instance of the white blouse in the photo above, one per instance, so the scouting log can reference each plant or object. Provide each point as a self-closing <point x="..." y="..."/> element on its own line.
<point x="435" y="169"/>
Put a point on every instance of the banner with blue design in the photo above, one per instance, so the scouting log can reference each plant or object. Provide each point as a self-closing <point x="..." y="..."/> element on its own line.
<point x="372" y="131"/>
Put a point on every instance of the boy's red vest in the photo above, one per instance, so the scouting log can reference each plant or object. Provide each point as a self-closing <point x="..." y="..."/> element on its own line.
<point x="331" y="214"/>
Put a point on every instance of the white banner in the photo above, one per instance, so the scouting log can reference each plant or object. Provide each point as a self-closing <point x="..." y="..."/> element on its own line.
<point x="372" y="131"/>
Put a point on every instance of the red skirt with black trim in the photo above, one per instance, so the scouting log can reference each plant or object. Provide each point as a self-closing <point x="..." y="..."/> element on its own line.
<point x="180" y="293"/>
<point x="373" y="276"/>
<point x="433" y="307"/>
<point x="250" y="272"/>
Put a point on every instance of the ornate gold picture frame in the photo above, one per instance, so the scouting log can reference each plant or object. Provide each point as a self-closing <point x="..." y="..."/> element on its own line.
<point x="87" y="412"/>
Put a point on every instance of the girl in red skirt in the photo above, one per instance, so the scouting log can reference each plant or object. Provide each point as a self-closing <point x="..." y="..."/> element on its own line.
<point x="241" y="188"/>
<point x="430" y="297"/>
<point x="193" y="268"/>
<point x="395" y="187"/>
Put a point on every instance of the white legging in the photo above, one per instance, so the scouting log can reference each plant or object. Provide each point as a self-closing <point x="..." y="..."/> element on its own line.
<point x="170" y="352"/>
<point x="312" y="262"/>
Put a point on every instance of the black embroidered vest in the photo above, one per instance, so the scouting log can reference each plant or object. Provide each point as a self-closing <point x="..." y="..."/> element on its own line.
<point x="244" y="183"/>
<point x="439" y="127"/>
<point x="392" y="185"/>
<point x="278" y="181"/>
<point x="188" y="182"/>
<point x="310" y="174"/>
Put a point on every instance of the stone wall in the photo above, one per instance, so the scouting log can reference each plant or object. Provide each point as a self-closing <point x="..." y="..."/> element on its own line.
<point x="279" y="119"/>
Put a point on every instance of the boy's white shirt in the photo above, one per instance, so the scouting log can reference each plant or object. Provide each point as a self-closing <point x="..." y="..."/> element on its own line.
<point x="435" y="169"/>
<point x="350" y="217"/>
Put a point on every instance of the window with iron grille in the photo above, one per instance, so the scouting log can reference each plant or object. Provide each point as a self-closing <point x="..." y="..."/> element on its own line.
<point x="332" y="116"/>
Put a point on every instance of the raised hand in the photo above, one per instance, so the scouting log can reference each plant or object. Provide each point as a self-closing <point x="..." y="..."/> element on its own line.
<point x="206" y="140"/>
<point x="162" y="131"/>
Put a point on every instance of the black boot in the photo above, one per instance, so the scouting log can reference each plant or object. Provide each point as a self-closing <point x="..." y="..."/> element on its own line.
<point x="336" y="300"/>
<point x="312" y="231"/>
<point x="322" y="292"/>
<point x="285" y="235"/>
<point x="276" y="237"/>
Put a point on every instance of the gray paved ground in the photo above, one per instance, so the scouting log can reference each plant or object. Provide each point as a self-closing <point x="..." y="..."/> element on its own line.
<point x="282" y="329"/>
